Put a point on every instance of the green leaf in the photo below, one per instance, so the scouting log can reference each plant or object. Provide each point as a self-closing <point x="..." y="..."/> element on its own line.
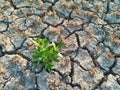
<point x="54" y="58"/>
<point x="34" y="40"/>
<point x="46" y="42"/>
<point x="35" y="58"/>
<point x="45" y="61"/>
<point x="37" y="55"/>
<point x="50" y="49"/>
<point x="38" y="40"/>
<point x="54" y="45"/>
<point x="47" y="51"/>
<point x="49" y="66"/>
<point x="59" y="46"/>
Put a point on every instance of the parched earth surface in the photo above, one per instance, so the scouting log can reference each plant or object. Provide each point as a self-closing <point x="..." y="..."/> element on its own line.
<point x="89" y="29"/>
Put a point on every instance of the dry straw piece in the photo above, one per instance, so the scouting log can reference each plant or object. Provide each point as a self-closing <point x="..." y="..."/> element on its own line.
<point x="116" y="41"/>
<point x="2" y="69"/>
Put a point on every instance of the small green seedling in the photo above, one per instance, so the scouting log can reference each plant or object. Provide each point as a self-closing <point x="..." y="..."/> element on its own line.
<point x="46" y="53"/>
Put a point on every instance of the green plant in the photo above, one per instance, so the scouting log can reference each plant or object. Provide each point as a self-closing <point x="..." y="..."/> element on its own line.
<point x="46" y="53"/>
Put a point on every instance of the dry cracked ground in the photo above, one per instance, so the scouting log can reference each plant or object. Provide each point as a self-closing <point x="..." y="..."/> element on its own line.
<point x="89" y="29"/>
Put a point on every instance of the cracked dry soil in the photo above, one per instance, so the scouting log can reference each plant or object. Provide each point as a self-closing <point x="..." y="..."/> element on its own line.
<point x="90" y="30"/>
